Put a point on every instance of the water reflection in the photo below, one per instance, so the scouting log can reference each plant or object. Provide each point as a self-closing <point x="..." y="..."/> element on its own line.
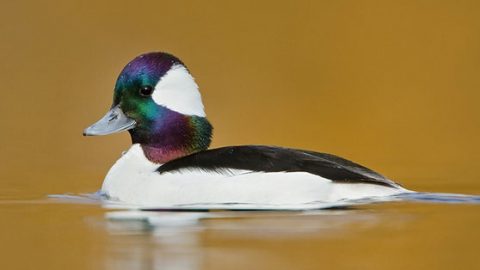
<point x="153" y="240"/>
<point x="178" y="240"/>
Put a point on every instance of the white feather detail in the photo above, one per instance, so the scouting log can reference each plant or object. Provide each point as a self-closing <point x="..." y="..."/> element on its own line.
<point x="178" y="91"/>
<point x="134" y="180"/>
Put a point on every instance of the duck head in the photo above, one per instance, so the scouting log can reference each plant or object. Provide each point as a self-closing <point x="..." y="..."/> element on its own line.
<point x="158" y="102"/>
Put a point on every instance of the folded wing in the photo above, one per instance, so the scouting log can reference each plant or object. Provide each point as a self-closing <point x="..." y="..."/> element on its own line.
<point x="257" y="158"/>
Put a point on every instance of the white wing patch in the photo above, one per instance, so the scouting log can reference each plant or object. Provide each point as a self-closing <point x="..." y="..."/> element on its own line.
<point x="178" y="91"/>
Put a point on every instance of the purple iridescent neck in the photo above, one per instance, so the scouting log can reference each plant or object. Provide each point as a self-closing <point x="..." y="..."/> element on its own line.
<point x="172" y="135"/>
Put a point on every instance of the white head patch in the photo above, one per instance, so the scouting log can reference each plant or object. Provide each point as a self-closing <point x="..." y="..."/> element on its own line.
<point x="178" y="91"/>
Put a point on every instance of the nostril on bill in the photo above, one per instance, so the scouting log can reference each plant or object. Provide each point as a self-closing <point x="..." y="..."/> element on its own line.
<point x="113" y="117"/>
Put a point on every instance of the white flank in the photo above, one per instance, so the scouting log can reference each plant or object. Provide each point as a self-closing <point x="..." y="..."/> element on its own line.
<point x="134" y="180"/>
<point x="178" y="91"/>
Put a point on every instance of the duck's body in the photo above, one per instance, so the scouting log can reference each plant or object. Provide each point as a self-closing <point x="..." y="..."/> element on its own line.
<point x="158" y="102"/>
<point x="210" y="177"/>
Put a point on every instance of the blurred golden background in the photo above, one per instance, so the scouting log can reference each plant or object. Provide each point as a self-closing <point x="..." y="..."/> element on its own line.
<point x="393" y="85"/>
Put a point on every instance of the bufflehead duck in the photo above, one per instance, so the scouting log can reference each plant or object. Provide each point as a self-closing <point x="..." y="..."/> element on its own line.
<point x="158" y="102"/>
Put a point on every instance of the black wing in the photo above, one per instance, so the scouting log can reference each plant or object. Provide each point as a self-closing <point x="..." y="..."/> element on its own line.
<point x="277" y="159"/>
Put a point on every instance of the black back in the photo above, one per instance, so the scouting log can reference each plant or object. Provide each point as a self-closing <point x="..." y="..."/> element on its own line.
<point x="276" y="159"/>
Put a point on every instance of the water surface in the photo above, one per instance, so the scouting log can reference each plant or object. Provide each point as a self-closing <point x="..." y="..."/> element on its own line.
<point x="78" y="233"/>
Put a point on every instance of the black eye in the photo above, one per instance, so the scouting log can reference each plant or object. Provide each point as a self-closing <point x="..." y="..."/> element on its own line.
<point x="145" y="90"/>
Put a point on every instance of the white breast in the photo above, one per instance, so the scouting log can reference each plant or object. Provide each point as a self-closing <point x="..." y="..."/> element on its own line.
<point x="133" y="179"/>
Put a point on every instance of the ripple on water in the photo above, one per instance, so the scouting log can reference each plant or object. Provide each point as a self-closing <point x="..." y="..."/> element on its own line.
<point x="97" y="198"/>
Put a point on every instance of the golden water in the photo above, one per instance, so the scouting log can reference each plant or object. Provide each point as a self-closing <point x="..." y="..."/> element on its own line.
<point x="393" y="85"/>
